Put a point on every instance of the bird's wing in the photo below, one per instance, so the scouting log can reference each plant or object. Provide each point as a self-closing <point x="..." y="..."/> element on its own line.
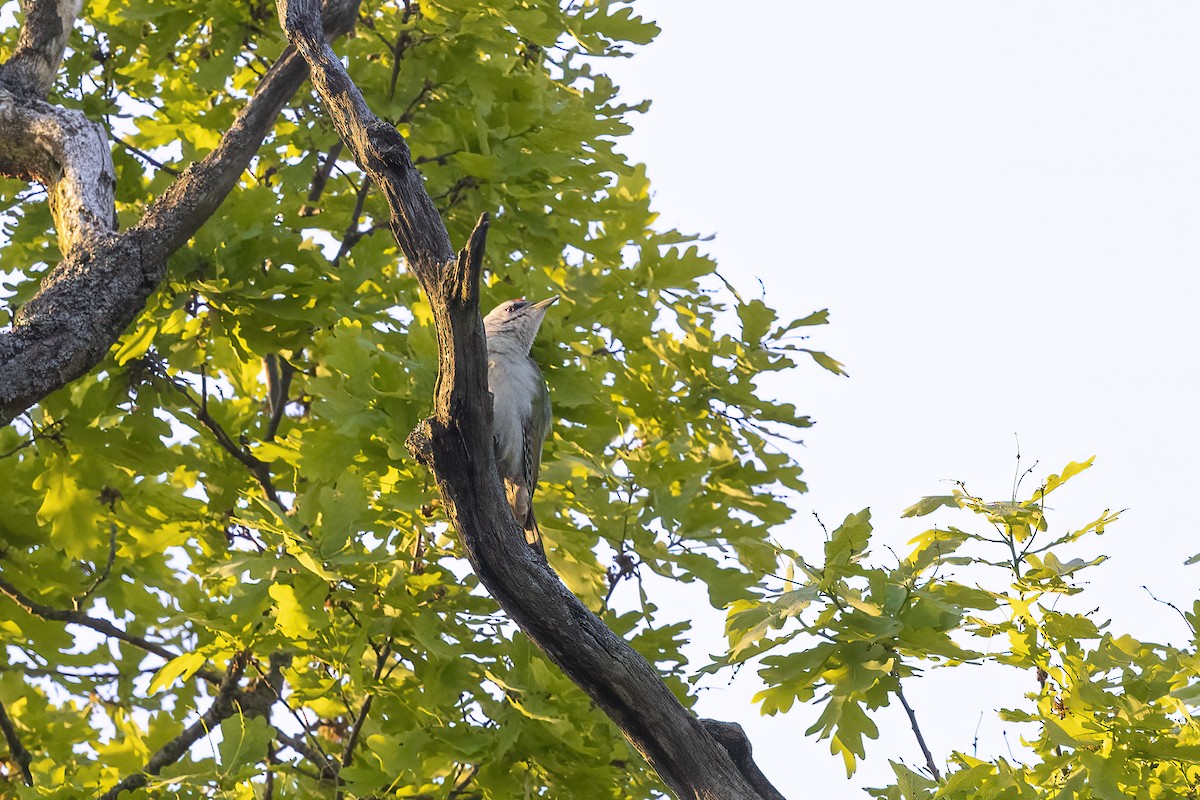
<point x="537" y="426"/>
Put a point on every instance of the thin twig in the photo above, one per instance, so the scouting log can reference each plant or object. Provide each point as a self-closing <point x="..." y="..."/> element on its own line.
<point x="912" y="719"/>
<point x="48" y="432"/>
<point x="108" y="565"/>
<point x="1171" y="606"/>
<point x="313" y="752"/>
<point x="426" y="88"/>
<point x="223" y="706"/>
<point x="99" y="625"/>
<point x="352" y="741"/>
<point x="149" y="159"/>
<point x="258" y="468"/>
<point x="328" y="772"/>
<point x="15" y="748"/>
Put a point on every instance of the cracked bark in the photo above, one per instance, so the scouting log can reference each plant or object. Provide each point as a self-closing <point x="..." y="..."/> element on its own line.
<point x="456" y="443"/>
<point x="105" y="277"/>
<point x="40" y="46"/>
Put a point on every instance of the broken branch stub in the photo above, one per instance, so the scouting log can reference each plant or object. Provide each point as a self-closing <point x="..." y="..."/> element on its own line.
<point x="456" y="443"/>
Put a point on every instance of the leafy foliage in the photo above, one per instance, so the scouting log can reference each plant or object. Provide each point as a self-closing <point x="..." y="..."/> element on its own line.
<point x="1112" y="716"/>
<point x="233" y="479"/>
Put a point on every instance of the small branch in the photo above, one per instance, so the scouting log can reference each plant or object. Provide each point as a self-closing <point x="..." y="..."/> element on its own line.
<point x="463" y="782"/>
<point x="353" y="234"/>
<point x="279" y="380"/>
<point x="223" y="706"/>
<point x="48" y="432"/>
<point x="381" y="658"/>
<point x="18" y="751"/>
<point x="273" y="682"/>
<point x="328" y="770"/>
<point x="149" y="159"/>
<point x="321" y="177"/>
<point x="352" y="741"/>
<point x="269" y="773"/>
<point x="108" y="565"/>
<point x="426" y="88"/>
<point x="258" y="468"/>
<point x="916" y="729"/>
<point x="99" y="625"/>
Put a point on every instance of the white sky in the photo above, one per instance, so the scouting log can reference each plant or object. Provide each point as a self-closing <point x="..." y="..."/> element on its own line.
<point x="999" y="204"/>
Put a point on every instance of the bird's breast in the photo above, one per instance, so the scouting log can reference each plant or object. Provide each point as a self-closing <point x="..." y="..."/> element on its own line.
<point x="514" y="383"/>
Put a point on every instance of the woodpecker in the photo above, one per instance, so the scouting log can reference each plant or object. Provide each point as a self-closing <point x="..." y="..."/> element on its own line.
<point x="520" y="404"/>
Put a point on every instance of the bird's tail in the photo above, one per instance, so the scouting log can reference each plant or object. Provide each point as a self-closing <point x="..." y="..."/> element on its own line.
<point x="522" y="507"/>
<point x="533" y="536"/>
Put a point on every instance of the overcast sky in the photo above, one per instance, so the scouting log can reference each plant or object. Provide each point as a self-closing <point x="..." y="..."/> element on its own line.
<point x="999" y="203"/>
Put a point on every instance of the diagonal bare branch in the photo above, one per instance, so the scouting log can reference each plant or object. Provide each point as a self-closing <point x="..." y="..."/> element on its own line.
<point x="223" y="705"/>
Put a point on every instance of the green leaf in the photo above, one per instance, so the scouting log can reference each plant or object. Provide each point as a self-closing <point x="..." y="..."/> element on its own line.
<point x="834" y="366"/>
<point x="183" y="666"/>
<point x="243" y="741"/>
<point x="135" y="346"/>
<point x="927" y="505"/>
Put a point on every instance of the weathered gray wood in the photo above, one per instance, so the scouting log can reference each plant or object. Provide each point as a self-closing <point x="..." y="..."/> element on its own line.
<point x="105" y="278"/>
<point x="43" y="39"/>
<point x="456" y="443"/>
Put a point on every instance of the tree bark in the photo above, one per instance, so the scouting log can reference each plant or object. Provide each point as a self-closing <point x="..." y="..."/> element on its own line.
<point x="456" y="443"/>
<point x="105" y="277"/>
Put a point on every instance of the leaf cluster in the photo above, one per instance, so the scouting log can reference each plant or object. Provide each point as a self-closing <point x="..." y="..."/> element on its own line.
<point x="233" y="478"/>
<point x="1111" y="716"/>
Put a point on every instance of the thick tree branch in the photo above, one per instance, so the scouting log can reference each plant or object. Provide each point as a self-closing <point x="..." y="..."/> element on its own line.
<point x="103" y="282"/>
<point x="457" y="444"/>
<point x="731" y="736"/>
<point x="68" y="154"/>
<point x="376" y="146"/>
<point x="15" y="748"/>
<point x="40" y="47"/>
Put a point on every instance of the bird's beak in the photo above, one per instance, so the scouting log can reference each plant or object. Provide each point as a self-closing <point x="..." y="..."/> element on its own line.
<point x="549" y="301"/>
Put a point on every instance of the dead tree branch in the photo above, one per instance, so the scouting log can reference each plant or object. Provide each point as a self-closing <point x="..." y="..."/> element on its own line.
<point x="456" y="443"/>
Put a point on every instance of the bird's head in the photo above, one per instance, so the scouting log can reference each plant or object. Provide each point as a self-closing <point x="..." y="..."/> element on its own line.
<point x="516" y="322"/>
